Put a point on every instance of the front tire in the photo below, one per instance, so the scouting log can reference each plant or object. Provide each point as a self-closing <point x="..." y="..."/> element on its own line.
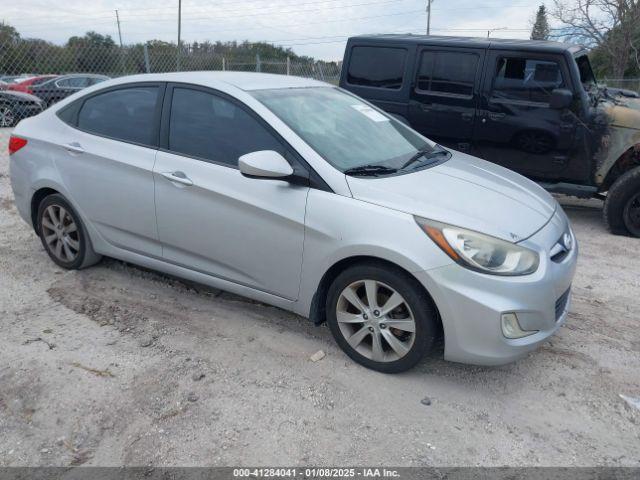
<point x="63" y="234"/>
<point x="381" y="317"/>
<point x="622" y="205"/>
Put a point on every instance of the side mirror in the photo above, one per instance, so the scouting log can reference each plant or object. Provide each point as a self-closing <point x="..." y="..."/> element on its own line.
<point x="560" y="98"/>
<point x="264" y="164"/>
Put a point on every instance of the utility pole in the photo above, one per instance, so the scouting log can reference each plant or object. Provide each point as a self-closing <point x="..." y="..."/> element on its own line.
<point x="429" y="17"/>
<point x="179" y="32"/>
<point x="119" y="31"/>
<point x="121" y="47"/>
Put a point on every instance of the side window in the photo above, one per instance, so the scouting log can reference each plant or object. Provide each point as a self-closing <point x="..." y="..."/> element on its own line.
<point x="525" y="79"/>
<point x="212" y="128"/>
<point x="379" y="67"/>
<point x="126" y="114"/>
<point x="73" y="82"/>
<point x="447" y="72"/>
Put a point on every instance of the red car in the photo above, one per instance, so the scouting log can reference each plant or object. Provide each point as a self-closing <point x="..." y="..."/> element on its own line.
<point x="26" y="84"/>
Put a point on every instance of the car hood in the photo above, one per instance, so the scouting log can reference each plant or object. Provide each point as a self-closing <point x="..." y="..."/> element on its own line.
<point x="14" y="95"/>
<point x="466" y="192"/>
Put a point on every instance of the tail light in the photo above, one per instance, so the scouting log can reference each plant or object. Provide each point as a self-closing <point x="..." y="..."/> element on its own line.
<point x="15" y="144"/>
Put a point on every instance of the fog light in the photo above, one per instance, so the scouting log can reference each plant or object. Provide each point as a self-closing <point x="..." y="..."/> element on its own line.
<point x="511" y="327"/>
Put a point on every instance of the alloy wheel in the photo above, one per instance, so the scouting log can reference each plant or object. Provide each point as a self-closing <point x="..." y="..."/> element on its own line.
<point x="60" y="233"/>
<point x="7" y="118"/>
<point x="376" y="321"/>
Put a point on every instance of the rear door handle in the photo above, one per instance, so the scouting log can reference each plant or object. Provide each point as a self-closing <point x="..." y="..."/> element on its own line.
<point x="74" y="147"/>
<point x="178" y="177"/>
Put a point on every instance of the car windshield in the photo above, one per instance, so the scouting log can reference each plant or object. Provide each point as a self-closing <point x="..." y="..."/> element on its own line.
<point x="587" y="78"/>
<point x="345" y="131"/>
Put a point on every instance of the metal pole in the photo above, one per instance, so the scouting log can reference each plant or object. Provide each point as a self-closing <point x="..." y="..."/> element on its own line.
<point x="146" y="58"/>
<point x="179" y="33"/>
<point x="224" y="64"/>
<point x="258" y="65"/>
<point x="429" y="17"/>
<point x="120" y="37"/>
<point x="288" y="65"/>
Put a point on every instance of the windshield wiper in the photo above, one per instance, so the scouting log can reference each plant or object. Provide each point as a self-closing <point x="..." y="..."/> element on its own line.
<point x="369" y="170"/>
<point x="426" y="154"/>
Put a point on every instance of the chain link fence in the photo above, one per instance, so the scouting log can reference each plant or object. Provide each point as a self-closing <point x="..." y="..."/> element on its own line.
<point x="48" y="72"/>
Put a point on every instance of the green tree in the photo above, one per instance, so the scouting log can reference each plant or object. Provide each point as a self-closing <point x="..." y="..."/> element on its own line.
<point x="94" y="52"/>
<point x="540" y="30"/>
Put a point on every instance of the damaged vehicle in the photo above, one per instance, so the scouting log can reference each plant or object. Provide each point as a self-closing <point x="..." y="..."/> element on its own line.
<point x="532" y="106"/>
<point x="301" y="195"/>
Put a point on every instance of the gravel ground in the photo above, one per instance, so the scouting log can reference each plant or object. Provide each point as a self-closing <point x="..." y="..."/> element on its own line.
<point x="115" y="365"/>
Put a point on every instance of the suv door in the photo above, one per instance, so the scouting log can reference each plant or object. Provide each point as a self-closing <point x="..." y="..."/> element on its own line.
<point x="106" y="156"/>
<point x="211" y="218"/>
<point x="517" y="128"/>
<point x="444" y="97"/>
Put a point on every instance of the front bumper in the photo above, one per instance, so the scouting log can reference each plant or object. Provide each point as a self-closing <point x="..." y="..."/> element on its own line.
<point x="471" y="303"/>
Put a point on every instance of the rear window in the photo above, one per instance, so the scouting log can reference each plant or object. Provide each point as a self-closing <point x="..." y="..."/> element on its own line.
<point x="126" y="114"/>
<point x="447" y="72"/>
<point x="379" y="67"/>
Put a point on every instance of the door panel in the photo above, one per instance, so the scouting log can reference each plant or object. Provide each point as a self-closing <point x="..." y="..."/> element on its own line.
<point x="240" y="229"/>
<point x="211" y="218"/>
<point x="444" y="99"/>
<point x="517" y="128"/>
<point x="112" y="183"/>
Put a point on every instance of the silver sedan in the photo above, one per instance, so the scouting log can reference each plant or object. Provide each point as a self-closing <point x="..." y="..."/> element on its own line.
<point x="300" y="195"/>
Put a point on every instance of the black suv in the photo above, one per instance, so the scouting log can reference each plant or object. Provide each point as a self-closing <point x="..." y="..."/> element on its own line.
<point x="531" y="106"/>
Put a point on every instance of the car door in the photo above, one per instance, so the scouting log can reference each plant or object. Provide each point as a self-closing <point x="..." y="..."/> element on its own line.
<point x="105" y="159"/>
<point x="518" y="129"/>
<point x="445" y="95"/>
<point x="211" y="218"/>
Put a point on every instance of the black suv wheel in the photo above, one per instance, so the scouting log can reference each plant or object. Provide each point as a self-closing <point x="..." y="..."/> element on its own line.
<point x="622" y="206"/>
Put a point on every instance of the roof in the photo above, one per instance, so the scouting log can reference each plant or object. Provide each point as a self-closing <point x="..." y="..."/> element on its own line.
<point x="473" y="42"/>
<point x="243" y="80"/>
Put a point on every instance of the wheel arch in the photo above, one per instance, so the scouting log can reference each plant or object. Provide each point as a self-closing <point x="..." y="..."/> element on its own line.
<point x="36" y="199"/>
<point x="629" y="160"/>
<point x="317" y="313"/>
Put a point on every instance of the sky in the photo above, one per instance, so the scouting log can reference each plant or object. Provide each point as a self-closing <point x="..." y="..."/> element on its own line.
<point x="316" y="28"/>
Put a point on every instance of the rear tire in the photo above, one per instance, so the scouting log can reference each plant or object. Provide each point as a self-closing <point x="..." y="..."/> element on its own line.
<point x="622" y="205"/>
<point x="63" y="234"/>
<point x="7" y="116"/>
<point x="374" y="333"/>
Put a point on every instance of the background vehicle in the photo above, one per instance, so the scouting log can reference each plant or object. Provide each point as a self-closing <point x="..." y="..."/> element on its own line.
<point x="14" y="106"/>
<point x="55" y="89"/>
<point x="226" y="179"/>
<point x="531" y="106"/>
<point x="27" y="84"/>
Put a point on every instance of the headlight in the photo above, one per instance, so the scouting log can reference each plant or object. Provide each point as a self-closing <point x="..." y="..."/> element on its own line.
<point x="480" y="252"/>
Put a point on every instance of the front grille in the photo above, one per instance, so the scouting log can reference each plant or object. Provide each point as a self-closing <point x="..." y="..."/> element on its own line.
<point x="561" y="303"/>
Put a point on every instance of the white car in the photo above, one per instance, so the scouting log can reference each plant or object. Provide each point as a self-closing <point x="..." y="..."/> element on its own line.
<point x="301" y="195"/>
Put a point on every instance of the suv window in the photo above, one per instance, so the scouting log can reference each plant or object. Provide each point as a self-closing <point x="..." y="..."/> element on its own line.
<point x="211" y="128"/>
<point x="379" y="67"/>
<point x="126" y="114"/>
<point x="447" y="72"/>
<point x="526" y="79"/>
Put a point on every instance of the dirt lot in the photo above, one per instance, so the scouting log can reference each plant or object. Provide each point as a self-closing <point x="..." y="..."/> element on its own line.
<point x="118" y="366"/>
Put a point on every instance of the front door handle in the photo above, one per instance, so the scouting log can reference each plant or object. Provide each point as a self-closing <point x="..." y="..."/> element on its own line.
<point x="495" y="116"/>
<point x="74" y="147"/>
<point x="178" y="177"/>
